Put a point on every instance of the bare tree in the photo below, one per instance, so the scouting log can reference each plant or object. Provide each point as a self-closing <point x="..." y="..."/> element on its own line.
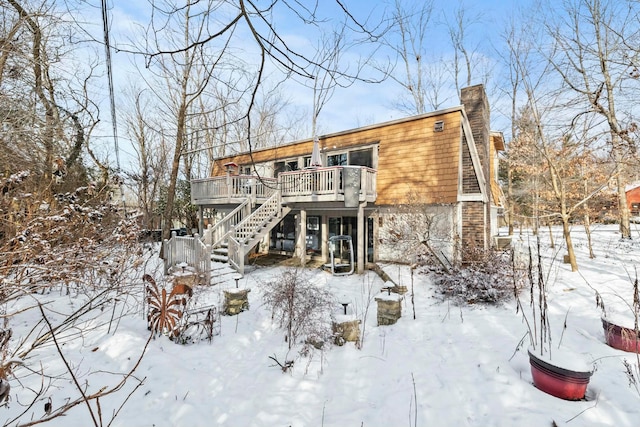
<point x="523" y="175"/>
<point x="331" y="71"/>
<point x="186" y="73"/>
<point x="416" y="229"/>
<point x="422" y="77"/>
<point x="592" y="55"/>
<point x="42" y="90"/>
<point x="150" y="169"/>
<point x="430" y="75"/>
<point x="220" y="27"/>
<point x="47" y="113"/>
<point x="273" y="120"/>
<point x="302" y="308"/>
<point x="562" y="154"/>
<point x="466" y="59"/>
<point x="328" y="57"/>
<point x="515" y="43"/>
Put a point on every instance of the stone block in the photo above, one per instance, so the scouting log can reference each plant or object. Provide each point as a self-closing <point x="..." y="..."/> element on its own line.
<point x="346" y="330"/>
<point x="389" y="308"/>
<point x="236" y="301"/>
<point x="187" y="278"/>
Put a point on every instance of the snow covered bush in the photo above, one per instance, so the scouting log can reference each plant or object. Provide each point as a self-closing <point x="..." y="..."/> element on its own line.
<point x="301" y="308"/>
<point x="67" y="239"/>
<point x="68" y="263"/>
<point x="487" y="277"/>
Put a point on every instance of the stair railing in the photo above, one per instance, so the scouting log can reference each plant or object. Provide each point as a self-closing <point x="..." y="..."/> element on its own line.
<point x="252" y="224"/>
<point x="218" y="233"/>
<point x="241" y="234"/>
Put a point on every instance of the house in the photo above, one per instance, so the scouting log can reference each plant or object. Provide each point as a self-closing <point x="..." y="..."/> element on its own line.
<point x="633" y="199"/>
<point x="434" y="173"/>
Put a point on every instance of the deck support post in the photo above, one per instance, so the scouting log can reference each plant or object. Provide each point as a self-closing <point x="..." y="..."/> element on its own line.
<point x="301" y="245"/>
<point x="362" y="247"/>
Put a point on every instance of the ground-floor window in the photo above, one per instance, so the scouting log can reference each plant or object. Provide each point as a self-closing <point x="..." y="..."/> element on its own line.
<point x="348" y="226"/>
<point x="344" y="226"/>
<point x="283" y="235"/>
<point x="314" y="237"/>
<point x="370" y="239"/>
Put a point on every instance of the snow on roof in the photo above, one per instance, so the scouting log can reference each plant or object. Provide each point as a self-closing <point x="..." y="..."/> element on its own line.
<point x="632" y="186"/>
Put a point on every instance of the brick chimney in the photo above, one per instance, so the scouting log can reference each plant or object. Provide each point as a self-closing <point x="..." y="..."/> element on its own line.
<point x="476" y="215"/>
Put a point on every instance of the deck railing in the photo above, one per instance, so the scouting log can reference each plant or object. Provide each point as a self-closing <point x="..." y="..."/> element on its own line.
<point x="368" y="184"/>
<point x="325" y="181"/>
<point x="232" y="187"/>
<point x="311" y="181"/>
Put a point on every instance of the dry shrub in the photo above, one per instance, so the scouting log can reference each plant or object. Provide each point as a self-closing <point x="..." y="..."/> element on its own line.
<point x="303" y="309"/>
<point x="79" y="243"/>
<point x="487" y="276"/>
<point x="67" y="239"/>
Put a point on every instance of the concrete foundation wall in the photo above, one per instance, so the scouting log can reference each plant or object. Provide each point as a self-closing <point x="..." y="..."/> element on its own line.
<point x="401" y="230"/>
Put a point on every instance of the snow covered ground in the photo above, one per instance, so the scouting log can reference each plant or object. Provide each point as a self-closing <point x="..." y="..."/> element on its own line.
<point x="450" y="366"/>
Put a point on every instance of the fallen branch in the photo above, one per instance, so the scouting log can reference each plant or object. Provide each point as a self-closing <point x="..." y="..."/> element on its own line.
<point x="288" y="364"/>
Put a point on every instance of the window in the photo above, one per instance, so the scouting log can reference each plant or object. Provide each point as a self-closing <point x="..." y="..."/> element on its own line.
<point x="313" y="235"/>
<point x="285" y="166"/>
<point x="361" y="158"/>
<point x="337" y="159"/>
<point x="283" y="236"/>
<point x="313" y="223"/>
<point x="344" y="226"/>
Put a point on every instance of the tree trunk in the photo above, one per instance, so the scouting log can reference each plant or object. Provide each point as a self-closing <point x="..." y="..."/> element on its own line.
<point x="510" y="198"/>
<point x="47" y="139"/>
<point x="587" y="229"/>
<point x="587" y="221"/>
<point x="167" y="215"/>
<point x="623" y="208"/>
<point x="567" y="238"/>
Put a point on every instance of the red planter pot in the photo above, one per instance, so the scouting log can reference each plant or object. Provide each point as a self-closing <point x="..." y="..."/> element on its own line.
<point x="556" y="381"/>
<point x="620" y="337"/>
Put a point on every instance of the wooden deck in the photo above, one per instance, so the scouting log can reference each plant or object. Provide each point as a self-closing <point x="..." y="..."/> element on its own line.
<point x="348" y="184"/>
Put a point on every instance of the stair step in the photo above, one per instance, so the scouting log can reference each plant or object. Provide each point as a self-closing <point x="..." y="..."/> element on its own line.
<point x="219" y="258"/>
<point x="221" y="272"/>
<point x="218" y="267"/>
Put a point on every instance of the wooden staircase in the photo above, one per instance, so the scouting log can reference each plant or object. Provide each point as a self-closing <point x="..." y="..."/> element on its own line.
<point x="247" y="233"/>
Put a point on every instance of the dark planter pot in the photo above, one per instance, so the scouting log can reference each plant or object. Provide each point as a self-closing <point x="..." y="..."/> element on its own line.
<point x="556" y="381"/>
<point x="620" y="337"/>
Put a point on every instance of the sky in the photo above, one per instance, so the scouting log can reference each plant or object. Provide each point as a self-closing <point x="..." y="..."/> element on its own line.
<point x="453" y="365"/>
<point x="358" y="105"/>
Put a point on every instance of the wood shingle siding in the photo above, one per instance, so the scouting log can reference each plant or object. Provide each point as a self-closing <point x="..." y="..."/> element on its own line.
<point x="413" y="160"/>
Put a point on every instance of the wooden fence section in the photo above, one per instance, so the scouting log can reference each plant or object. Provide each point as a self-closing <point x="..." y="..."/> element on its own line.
<point x="189" y="250"/>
